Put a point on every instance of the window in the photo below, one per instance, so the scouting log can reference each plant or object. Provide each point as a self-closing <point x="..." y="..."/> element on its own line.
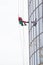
<point x="29" y="10"/>
<point x="36" y="3"/>
<point x="33" y="4"/>
<point x="38" y="58"/>
<point x="40" y="1"/>
<point x="40" y="11"/>
<point x="32" y="47"/>
<point x="31" y="7"/>
<point x="31" y="60"/>
<point x="32" y="33"/>
<point x="41" y="55"/>
<point x="37" y="28"/>
<point x="30" y="23"/>
<point x="41" y="25"/>
<point x="37" y="13"/>
<point x="35" y="45"/>
<point x="41" y="40"/>
<point x="30" y="50"/>
<point x="30" y="36"/>
<point x="34" y="15"/>
<point x="38" y="42"/>
<point x="35" y="59"/>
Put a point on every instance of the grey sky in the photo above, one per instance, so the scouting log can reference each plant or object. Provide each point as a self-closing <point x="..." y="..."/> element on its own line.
<point x="11" y="49"/>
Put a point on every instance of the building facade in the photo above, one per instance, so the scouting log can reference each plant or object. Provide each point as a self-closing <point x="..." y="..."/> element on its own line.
<point x="35" y="32"/>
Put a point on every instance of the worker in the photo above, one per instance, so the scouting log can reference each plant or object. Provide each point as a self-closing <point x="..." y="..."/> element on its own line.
<point x="21" y="21"/>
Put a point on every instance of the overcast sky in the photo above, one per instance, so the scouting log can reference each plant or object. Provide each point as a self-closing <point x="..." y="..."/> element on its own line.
<point x="13" y="46"/>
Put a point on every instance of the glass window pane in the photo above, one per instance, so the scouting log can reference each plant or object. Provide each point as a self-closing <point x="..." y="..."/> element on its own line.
<point x="35" y="59"/>
<point x="40" y="25"/>
<point x="40" y="1"/>
<point x="35" y="45"/>
<point x="36" y="3"/>
<point x="30" y="36"/>
<point x="37" y="28"/>
<point x="33" y="4"/>
<point x="30" y="50"/>
<point x="37" y="13"/>
<point x="31" y="7"/>
<point x="32" y="33"/>
<point x="41" y="55"/>
<point x="38" y="58"/>
<point x="40" y="11"/>
<point x="31" y="60"/>
<point x="34" y="16"/>
<point x="30" y="24"/>
<point x="37" y="42"/>
<point x="29" y="11"/>
<point x="41" y="40"/>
